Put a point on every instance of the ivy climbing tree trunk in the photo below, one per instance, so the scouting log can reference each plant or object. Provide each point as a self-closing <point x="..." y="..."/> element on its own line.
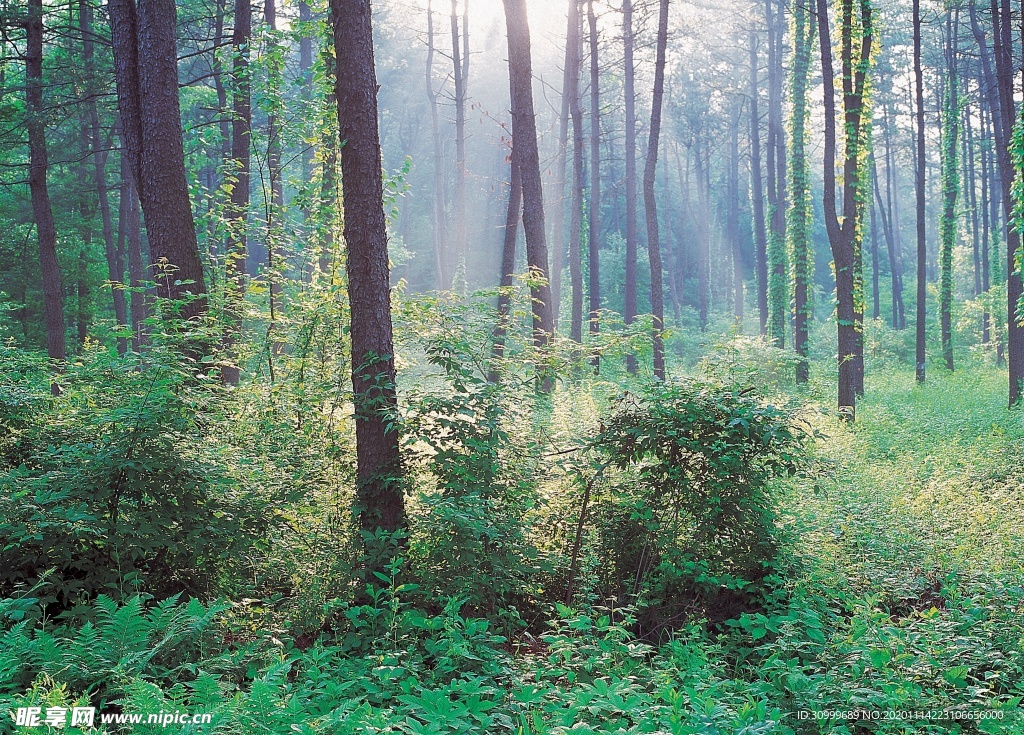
<point x="778" y="293"/>
<point x="650" y="203"/>
<point x="950" y="188"/>
<point x="919" y="188"/>
<point x="799" y="215"/>
<point x="379" y="498"/>
<point x="855" y="57"/>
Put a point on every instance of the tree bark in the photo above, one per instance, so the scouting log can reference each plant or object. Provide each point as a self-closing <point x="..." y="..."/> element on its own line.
<point x="380" y="504"/>
<point x="629" y="309"/>
<point x="459" y="198"/>
<point x="650" y="203"/>
<point x="508" y="265"/>
<point x="129" y="235"/>
<point x="145" y="62"/>
<point x="733" y="214"/>
<point x="46" y="232"/>
<point x="844" y="237"/>
<point x="572" y="92"/>
<point x="778" y="296"/>
<point x="800" y="191"/>
<point x="919" y="188"/>
<point x="524" y="133"/>
<point x="438" y="214"/>
<point x="950" y="191"/>
<point x="757" y="191"/>
<point x="594" y="208"/>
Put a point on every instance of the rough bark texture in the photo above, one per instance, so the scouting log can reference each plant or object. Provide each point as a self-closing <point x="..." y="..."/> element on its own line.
<point x="524" y="133"/>
<point x="650" y="203"/>
<point x="379" y="500"/>
<point x="145" y="63"/>
<point x="46" y="233"/>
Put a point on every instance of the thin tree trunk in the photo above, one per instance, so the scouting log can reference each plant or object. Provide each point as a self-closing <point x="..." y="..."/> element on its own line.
<point x="594" y="208"/>
<point x="459" y="198"/>
<point x="950" y="190"/>
<point x="438" y="217"/>
<point x="129" y="235"/>
<point x="572" y="94"/>
<point x="800" y="191"/>
<point x="524" y="133"/>
<point x="650" y="203"/>
<point x="53" y="294"/>
<point x="757" y="191"/>
<point x="275" y="212"/>
<point x="380" y="503"/>
<point x="778" y="296"/>
<point x="704" y="238"/>
<point x="508" y="265"/>
<point x="629" y="309"/>
<point x="559" y="201"/>
<point x="919" y="187"/>
<point x="733" y="216"/>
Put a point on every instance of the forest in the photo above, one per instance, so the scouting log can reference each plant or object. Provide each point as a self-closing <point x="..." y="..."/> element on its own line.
<point x="541" y="367"/>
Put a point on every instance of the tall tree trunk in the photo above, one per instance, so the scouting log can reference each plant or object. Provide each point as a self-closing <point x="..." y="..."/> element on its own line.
<point x="594" y="208"/>
<point x="986" y="225"/>
<point x="629" y="309"/>
<point x="757" y="191"/>
<point x="145" y="62"/>
<point x="238" y="212"/>
<point x="969" y="170"/>
<point x="1003" y="47"/>
<point x="115" y="264"/>
<point x="650" y="203"/>
<point x="919" y="188"/>
<point x="778" y="296"/>
<point x="129" y="235"/>
<point x="379" y="500"/>
<point x="53" y="293"/>
<point x="844" y="237"/>
<point x="459" y="198"/>
<point x="508" y="265"/>
<point x="800" y="210"/>
<point x="893" y="239"/>
<point x="704" y="236"/>
<point x="950" y="190"/>
<point x="524" y="133"/>
<point x="559" y="201"/>
<point x="733" y="213"/>
<point x="572" y="94"/>
<point x="438" y="215"/>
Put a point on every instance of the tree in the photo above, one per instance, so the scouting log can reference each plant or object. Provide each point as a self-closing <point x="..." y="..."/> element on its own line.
<point x="46" y="231"/>
<point x="145" y="64"/>
<point x="650" y="203"/>
<point x="919" y="182"/>
<point x="437" y="212"/>
<point x="757" y="191"/>
<point x="573" y="57"/>
<point x="460" y="64"/>
<point x="524" y="135"/>
<point x="799" y="218"/>
<point x="594" y="207"/>
<point x="238" y="213"/>
<point x="778" y="296"/>
<point x="950" y="188"/>
<point x="629" y="309"/>
<point x="379" y="499"/>
<point x="845" y="237"/>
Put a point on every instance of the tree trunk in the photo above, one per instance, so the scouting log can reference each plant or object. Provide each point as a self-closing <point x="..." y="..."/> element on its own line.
<point x="778" y="296"/>
<point x="629" y="309"/>
<point x="380" y="504"/>
<point x="650" y="203"/>
<point x="757" y="191"/>
<point x="594" y="208"/>
<point x="53" y="293"/>
<point x="438" y="215"/>
<point x="572" y="94"/>
<point x="508" y="265"/>
<point x="919" y="187"/>
<point x="950" y="190"/>
<point x="145" y="62"/>
<point x="459" y="198"/>
<point x="844" y="237"/>
<point x="129" y="235"/>
<point x="704" y="237"/>
<point x="1003" y="48"/>
<point x="559" y="200"/>
<point x="800" y="211"/>
<point x="524" y="133"/>
<point x="733" y="214"/>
